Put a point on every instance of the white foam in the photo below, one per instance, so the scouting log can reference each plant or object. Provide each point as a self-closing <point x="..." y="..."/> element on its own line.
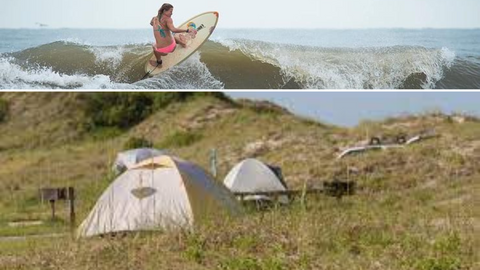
<point x="111" y="56"/>
<point x="191" y="74"/>
<point x="81" y="42"/>
<point x="13" y="76"/>
<point x="315" y="67"/>
<point x="75" y="41"/>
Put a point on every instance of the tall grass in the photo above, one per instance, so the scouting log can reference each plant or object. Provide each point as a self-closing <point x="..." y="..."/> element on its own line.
<point x="356" y="233"/>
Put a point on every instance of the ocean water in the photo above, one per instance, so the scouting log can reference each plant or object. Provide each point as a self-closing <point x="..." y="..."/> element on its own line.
<point x="244" y="59"/>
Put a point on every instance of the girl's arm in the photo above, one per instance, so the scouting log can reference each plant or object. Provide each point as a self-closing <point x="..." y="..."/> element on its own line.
<point x="173" y="29"/>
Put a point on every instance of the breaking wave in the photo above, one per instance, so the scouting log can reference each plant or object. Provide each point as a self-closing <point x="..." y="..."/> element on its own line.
<point x="238" y="64"/>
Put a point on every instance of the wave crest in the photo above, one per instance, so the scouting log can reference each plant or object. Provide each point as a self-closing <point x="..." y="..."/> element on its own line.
<point x="13" y="76"/>
<point x="316" y="67"/>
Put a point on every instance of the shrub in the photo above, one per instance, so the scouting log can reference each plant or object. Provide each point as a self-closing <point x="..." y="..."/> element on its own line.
<point x="161" y="100"/>
<point x="180" y="139"/>
<point x="105" y="133"/>
<point x="121" y="110"/>
<point x="124" y="110"/>
<point x="263" y="107"/>
<point x="135" y="142"/>
<point x="195" y="250"/>
<point x="3" y="110"/>
<point x="443" y="263"/>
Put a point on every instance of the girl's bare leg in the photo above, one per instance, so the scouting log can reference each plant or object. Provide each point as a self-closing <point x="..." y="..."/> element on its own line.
<point x="158" y="55"/>
<point x="180" y="39"/>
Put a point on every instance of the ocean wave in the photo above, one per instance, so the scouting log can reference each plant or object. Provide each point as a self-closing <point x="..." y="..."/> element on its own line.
<point x="98" y="68"/>
<point x="316" y="67"/>
<point x="238" y="64"/>
<point x="108" y="55"/>
<point x="13" y="76"/>
<point x="74" y="41"/>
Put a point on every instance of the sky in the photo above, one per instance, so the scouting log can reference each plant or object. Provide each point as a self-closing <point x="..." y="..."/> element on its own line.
<point x="350" y="108"/>
<point x="332" y="14"/>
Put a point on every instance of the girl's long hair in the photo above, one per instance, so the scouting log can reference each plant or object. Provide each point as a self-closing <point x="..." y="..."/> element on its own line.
<point x="164" y="7"/>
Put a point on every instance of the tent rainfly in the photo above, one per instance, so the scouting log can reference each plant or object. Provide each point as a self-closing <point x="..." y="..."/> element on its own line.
<point x="164" y="192"/>
<point x="251" y="175"/>
<point x="127" y="159"/>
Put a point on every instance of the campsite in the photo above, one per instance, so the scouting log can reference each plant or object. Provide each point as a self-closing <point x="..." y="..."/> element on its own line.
<point x="146" y="196"/>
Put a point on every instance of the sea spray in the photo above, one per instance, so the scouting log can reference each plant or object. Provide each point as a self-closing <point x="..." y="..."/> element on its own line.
<point x="13" y="76"/>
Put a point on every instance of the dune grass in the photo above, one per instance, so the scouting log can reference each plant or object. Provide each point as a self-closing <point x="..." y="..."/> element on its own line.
<point x="323" y="233"/>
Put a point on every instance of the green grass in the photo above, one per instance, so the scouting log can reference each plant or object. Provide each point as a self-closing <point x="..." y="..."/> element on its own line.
<point x="180" y="139"/>
<point x="356" y="233"/>
<point x="135" y="142"/>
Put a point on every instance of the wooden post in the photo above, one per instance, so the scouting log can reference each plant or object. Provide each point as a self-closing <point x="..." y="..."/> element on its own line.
<point x="213" y="162"/>
<point x="71" y="199"/>
<point x="52" y="204"/>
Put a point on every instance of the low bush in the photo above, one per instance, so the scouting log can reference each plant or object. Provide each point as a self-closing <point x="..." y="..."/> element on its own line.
<point x="121" y="110"/>
<point x="3" y="110"/>
<point x="135" y="142"/>
<point x="180" y="139"/>
<point x="124" y="110"/>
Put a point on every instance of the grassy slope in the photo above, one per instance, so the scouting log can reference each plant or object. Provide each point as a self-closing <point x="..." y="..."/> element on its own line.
<point x="40" y="119"/>
<point x="414" y="208"/>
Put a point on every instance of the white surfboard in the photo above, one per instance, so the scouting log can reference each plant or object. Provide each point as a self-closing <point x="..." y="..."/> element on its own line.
<point x="204" y="23"/>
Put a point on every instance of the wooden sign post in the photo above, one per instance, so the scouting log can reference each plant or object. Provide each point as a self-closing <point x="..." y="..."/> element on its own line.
<point x="55" y="194"/>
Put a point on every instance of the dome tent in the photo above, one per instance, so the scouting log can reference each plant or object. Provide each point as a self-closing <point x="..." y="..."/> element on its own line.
<point x="251" y="175"/>
<point x="160" y="193"/>
<point x="127" y="159"/>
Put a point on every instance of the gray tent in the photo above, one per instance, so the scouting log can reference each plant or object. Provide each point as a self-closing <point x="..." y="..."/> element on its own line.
<point x="125" y="160"/>
<point x="252" y="175"/>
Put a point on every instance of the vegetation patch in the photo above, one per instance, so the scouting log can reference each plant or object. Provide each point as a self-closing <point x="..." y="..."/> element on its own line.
<point x="105" y="133"/>
<point x="180" y="139"/>
<point x="195" y="250"/>
<point x="262" y="107"/>
<point x="3" y="110"/>
<point x="121" y="110"/>
<point x="137" y="142"/>
<point x="124" y="110"/>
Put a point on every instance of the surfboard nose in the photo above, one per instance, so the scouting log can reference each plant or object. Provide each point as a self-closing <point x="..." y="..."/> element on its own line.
<point x="216" y="13"/>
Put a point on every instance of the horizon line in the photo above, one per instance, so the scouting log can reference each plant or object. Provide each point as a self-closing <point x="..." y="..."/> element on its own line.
<point x="247" y="28"/>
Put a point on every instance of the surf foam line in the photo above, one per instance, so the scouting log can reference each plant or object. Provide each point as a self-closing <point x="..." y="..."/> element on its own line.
<point x="190" y="74"/>
<point x="113" y="56"/>
<point x="109" y="56"/>
<point x="12" y="76"/>
<point x="316" y="67"/>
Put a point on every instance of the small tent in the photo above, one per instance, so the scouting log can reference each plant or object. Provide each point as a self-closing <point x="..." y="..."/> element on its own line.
<point x="251" y="175"/>
<point x="160" y="193"/>
<point x="127" y="159"/>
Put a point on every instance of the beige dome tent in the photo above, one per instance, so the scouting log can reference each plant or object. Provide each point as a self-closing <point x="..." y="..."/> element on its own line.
<point x="251" y="175"/>
<point x="160" y="193"/>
